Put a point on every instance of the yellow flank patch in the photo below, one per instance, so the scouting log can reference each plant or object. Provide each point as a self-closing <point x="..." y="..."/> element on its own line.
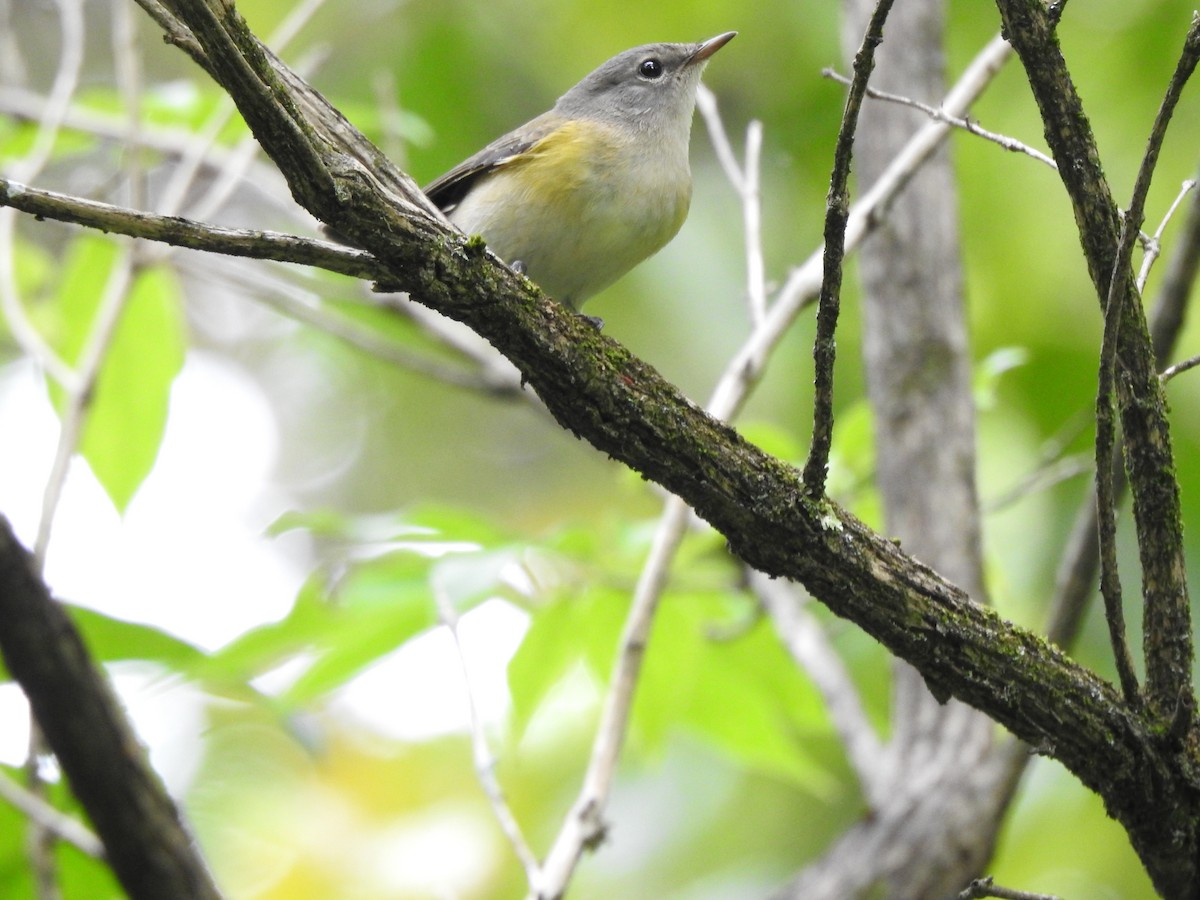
<point x="579" y="209"/>
<point x="559" y="163"/>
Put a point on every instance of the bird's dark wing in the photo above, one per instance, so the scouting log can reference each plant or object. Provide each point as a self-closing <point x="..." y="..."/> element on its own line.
<point x="449" y="189"/>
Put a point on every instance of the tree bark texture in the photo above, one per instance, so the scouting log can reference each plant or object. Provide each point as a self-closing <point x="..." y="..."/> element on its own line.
<point x="145" y="841"/>
<point x="937" y="825"/>
<point x="1149" y="458"/>
<point x="599" y="391"/>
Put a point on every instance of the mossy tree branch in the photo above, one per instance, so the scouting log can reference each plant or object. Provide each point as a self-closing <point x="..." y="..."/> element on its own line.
<point x="1105" y="425"/>
<point x="599" y="391"/>
<point x="145" y="842"/>
<point x="837" y="212"/>
<point x="1149" y="459"/>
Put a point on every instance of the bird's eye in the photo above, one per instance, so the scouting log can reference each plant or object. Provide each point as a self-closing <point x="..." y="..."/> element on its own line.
<point x="650" y="69"/>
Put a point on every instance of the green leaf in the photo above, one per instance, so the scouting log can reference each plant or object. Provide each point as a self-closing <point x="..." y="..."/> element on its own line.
<point x="991" y="370"/>
<point x="432" y="525"/>
<point x="711" y="668"/>
<point x="35" y="268"/>
<point x="126" y="425"/>
<point x="385" y="602"/>
<point x="852" y="464"/>
<point x="319" y="523"/>
<point x="113" y="640"/>
<point x="376" y="594"/>
<point x="448" y="523"/>
<point x="17" y="139"/>
<point x="376" y="608"/>
<point x="730" y="682"/>
<point x="76" y="874"/>
<point x="110" y="639"/>
<point x="373" y="614"/>
<point x="373" y="120"/>
<point x="579" y="629"/>
<point x="852" y="461"/>
<point x="126" y="419"/>
<point x="267" y="646"/>
<point x="178" y="105"/>
<point x="88" y="264"/>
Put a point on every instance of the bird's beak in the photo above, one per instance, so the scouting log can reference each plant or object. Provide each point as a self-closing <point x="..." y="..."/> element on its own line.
<point x="711" y="46"/>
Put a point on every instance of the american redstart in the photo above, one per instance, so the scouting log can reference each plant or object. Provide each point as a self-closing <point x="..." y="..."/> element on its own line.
<point x="578" y="196"/>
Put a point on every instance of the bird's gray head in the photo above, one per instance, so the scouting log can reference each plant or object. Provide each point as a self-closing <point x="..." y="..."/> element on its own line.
<point x="653" y="86"/>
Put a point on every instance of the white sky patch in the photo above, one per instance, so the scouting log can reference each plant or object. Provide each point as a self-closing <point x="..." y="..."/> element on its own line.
<point x="190" y="557"/>
<point x="418" y="691"/>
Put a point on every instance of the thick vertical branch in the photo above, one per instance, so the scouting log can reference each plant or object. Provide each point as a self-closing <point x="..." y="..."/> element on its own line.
<point x="1149" y="458"/>
<point x="837" y="211"/>
<point x="1077" y="570"/>
<point x="931" y="842"/>
<point x="1110" y="586"/>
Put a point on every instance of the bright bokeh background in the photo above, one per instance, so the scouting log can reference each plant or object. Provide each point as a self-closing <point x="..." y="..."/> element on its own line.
<point x="292" y="684"/>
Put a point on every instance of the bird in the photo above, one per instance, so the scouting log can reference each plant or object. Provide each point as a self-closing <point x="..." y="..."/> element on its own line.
<point x="581" y="194"/>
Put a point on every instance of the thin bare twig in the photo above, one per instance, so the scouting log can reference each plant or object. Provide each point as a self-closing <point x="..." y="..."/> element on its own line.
<point x="66" y="79"/>
<point x="810" y="648"/>
<point x="195" y="235"/>
<point x="756" y="278"/>
<point x="939" y="114"/>
<point x="79" y="400"/>
<point x="174" y="143"/>
<point x="51" y="819"/>
<point x="485" y="760"/>
<point x="803" y="284"/>
<point x="1076" y="576"/>
<point x="837" y="211"/>
<point x="965" y="123"/>
<point x="985" y="887"/>
<point x="1041" y="479"/>
<point x="584" y="823"/>
<point x="394" y="130"/>
<point x="175" y="32"/>
<point x="1179" y="368"/>
<point x="490" y="375"/>
<point x="1153" y="246"/>
<point x="746" y="182"/>
<point x="127" y="65"/>
<point x="1110" y="585"/>
<point x="1110" y="579"/>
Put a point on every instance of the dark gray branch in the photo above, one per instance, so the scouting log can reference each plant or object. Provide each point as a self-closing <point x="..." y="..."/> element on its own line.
<point x="598" y="390"/>
<point x="144" y="838"/>
<point x="1149" y="457"/>
<point x="1076" y="577"/>
<point x="180" y="232"/>
<point x="1110" y="585"/>
<point x="837" y="211"/>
